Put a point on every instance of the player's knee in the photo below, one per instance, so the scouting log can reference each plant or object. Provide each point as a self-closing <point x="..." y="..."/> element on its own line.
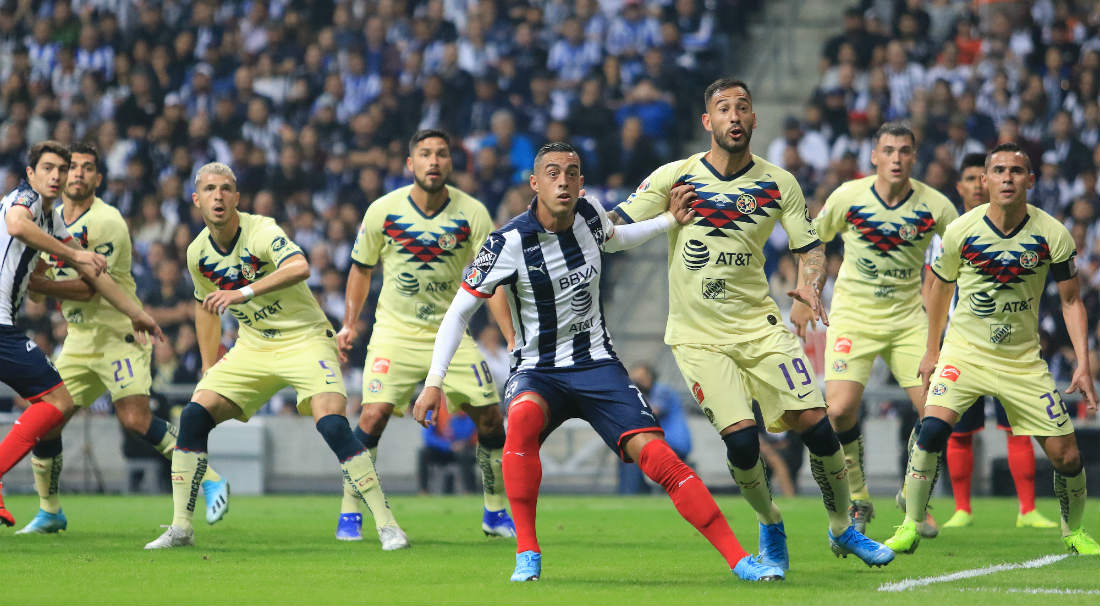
<point x="820" y="439"/>
<point x="491" y="440"/>
<point x="134" y="418"/>
<point x="934" y="433"/>
<point x="743" y="447"/>
<point x="1067" y="462"/>
<point x="47" y="447"/>
<point x="337" y="434"/>
<point x="195" y="426"/>
<point x="525" y="419"/>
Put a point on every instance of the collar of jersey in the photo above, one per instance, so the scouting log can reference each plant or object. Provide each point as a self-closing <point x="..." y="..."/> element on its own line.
<point x="718" y="175"/>
<point x="232" y="244"/>
<point x="78" y="217"/>
<point x="1014" y="231"/>
<point x="535" y="219"/>
<point x="421" y="213"/>
<point x="874" y="193"/>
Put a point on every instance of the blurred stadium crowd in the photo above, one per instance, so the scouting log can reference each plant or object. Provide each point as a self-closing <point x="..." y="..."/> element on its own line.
<point x="312" y="103"/>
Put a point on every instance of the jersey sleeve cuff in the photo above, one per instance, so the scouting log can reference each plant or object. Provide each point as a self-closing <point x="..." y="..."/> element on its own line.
<point x="622" y="213"/>
<point x="475" y="292"/>
<point x="810" y="246"/>
<point x="933" y="270"/>
<point x="361" y="264"/>
<point x="297" y="252"/>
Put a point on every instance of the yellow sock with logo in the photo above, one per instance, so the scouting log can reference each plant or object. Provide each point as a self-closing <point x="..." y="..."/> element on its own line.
<point x="1070" y="491"/>
<point x="361" y="479"/>
<point x="851" y="441"/>
<point x="489" y="457"/>
<point x="47" y="476"/>
<point x="167" y="443"/>
<point x="188" y="469"/>
<point x="753" y="483"/>
<point x="831" y="474"/>
<point x="918" y="482"/>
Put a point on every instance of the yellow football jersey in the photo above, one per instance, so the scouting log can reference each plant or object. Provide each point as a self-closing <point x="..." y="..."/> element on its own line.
<point x="884" y="250"/>
<point x="94" y="323"/>
<point x="1000" y="280"/>
<point x="422" y="258"/>
<point x="718" y="292"/>
<point x="259" y="248"/>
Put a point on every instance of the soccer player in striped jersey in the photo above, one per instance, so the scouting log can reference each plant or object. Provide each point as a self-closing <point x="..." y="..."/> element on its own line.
<point x="1000" y="254"/>
<point x="960" y="446"/>
<point x="726" y="332"/>
<point x="99" y="353"/>
<point x="886" y="221"/>
<point x="33" y="225"/>
<point x="548" y="261"/>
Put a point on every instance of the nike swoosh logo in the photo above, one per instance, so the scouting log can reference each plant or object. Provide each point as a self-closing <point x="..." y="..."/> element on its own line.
<point x="125" y="385"/>
<point x="803" y="395"/>
<point x="1059" y="425"/>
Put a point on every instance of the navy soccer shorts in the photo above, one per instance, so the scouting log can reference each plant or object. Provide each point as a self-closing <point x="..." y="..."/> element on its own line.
<point x="24" y="367"/>
<point x="973" y="420"/>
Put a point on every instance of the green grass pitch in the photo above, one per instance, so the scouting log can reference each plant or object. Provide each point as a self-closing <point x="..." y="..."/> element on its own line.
<point x="596" y="550"/>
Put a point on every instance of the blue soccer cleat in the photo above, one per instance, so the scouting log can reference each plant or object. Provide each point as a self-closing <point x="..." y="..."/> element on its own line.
<point x="528" y="566"/>
<point x="45" y="523"/>
<point x="217" y="499"/>
<point x="749" y="568"/>
<point x="773" y="546"/>
<point x="497" y="524"/>
<point x="851" y="541"/>
<point x="350" y="527"/>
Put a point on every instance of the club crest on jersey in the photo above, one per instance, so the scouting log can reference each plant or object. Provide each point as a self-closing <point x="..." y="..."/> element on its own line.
<point x="746" y="203"/>
<point x="939" y="389"/>
<point x="950" y="373"/>
<point x="249" y="272"/>
<point x="374" y="386"/>
<point x="473" y="276"/>
<point x="105" y="249"/>
<point x="278" y="244"/>
<point x="447" y="241"/>
<point x="908" y="232"/>
<point x="843" y="345"/>
<point x="1029" y="259"/>
<point x="840" y="366"/>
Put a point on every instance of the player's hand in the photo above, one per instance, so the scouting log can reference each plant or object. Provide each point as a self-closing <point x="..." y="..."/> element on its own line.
<point x="802" y="318"/>
<point x="927" y="367"/>
<point x="144" y="327"/>
<point x="344" y="341"/>
<point x="92" y="262"/>
<point x="1082" y="382"/>
<point x="427" y="406"/>
<point x="808" y="296"/>
<point x="220" y="300"/>
<point x="680" y="202"/>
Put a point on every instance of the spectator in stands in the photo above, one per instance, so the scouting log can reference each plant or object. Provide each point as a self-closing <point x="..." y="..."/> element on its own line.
<point x="812" y="147"/>
<point x="452" y="440"/>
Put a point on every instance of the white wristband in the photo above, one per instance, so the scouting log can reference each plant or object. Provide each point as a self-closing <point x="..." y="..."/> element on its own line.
<point x="247" y="293"/>
<point x="433" y="381"/>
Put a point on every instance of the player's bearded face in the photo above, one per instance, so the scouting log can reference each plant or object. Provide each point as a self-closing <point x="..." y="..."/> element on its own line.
<point x="83" y="178"/>
<point x="731" y="120"/>
<point x="431" y="165"/>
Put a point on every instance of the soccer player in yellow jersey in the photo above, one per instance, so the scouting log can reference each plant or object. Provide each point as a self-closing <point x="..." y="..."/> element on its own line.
<point x="100" y="353"/>
<point x="725" y="331"/>
<point x="886" y="221"/>
<point x="1000" y="254"/>
<point x="424" y="235"/>
<point x="244" y="263"/>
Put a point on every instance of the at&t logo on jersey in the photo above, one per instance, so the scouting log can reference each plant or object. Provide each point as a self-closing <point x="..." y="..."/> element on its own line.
<point x="982" y="304"/>
<point x="867" y="269"/>
<point x="581" y="303"/>
<point x="407" y="284"/>
<point x="696" y="255"/>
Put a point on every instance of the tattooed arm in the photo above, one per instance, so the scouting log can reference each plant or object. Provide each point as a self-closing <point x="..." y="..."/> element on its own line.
<point x="808" y="307"/>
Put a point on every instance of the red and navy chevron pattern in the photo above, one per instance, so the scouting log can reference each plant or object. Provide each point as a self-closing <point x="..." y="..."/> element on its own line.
<point x="722" y="211"/>
<point x="1005" y="267"/>
<point x="232" y="277"/>
<point x="82" y="237"/>
<point x="428" y="247"/>
<point x="887" y="236"/>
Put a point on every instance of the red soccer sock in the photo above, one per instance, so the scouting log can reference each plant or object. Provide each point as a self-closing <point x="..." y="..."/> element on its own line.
<point x="523" y="470"/>
<point x="31" y="425"/>
<point x="1021" y="464"/>
<point x="691" y="498"/>
<point x="960" y="464"/>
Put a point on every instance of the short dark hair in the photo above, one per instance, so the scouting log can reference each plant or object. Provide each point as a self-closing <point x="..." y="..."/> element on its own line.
<point x="972" y="161"/>
<point x="46" y="147"/>
<point x="897" y="129"/>
<point x="556" y="147"/>
<point x="722" y="84"/>
<point x="428" y="133"/>
<point x="88" y="149"/>
<point x="1012" y="148"/>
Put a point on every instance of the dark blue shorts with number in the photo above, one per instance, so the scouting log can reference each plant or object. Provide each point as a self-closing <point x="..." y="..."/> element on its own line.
<point x="973" y="420"/>
<point x="602" y="395"/>
<point x="24" y="367"/>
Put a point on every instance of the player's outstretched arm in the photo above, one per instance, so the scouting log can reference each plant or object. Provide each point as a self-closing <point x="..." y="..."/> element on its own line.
<point x="811" y="281"/>
<point x="447" y="339"/>
<point x="21" y="226"/>
<point x="625" y="236"/>
<point x="208" y="333"/>
<point x="1073" y="312"/>
<point x="69" y="290"/>
<point x="355" y="295"/>
<point x="937" y="302"/>
<point x="293" y="270"/>
<point x="144" y="324"/>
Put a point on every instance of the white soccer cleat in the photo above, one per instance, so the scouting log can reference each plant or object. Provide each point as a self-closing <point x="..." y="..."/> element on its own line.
<point x="174" y="536"/>
<point x="393" y="538"/>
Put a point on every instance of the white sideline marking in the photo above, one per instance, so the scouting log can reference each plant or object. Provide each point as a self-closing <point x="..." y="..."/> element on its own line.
<point x="974" y="572"/>
<point x="1034" y="590"/>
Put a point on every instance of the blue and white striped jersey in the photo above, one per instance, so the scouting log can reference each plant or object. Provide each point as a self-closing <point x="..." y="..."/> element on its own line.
<point x="18" y="259"/>
<point x="553" y="285"/>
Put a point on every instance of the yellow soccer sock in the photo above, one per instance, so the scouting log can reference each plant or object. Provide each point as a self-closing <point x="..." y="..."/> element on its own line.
<point x="853" y="460"/>
<point x="492" y="477"/>
<point x="167" y="445"/>
<point x="1070" y="491"/>
<point x="373" y="454"/>
<point x="831" y="474"/>
<point x="362" y="479"/>
<point x="350" y="502"/>
<point x="754" y="486"/>
<point x="188" y="469"/>
<point x="918" y="482"/>
<point x="47" y="476"/>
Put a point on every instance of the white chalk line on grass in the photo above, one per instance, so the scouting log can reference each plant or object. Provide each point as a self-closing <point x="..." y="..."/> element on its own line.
<point x="974" y="572"/>
<point x="1034" y="590"/>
